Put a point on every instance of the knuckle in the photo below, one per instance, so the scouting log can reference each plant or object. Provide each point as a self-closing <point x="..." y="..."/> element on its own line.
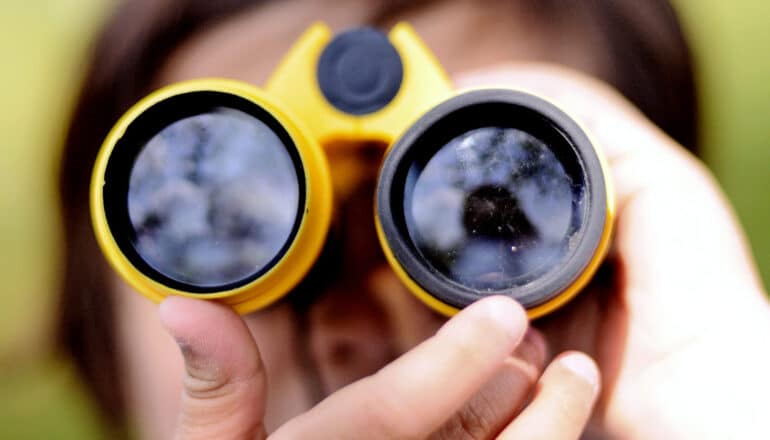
<point x="203" y="386"/>
<point x="477" y="420"/>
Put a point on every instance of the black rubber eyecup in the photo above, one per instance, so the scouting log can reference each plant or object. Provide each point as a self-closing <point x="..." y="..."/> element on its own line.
<point x="129" y="146"/>
<point x="497" y="108"/>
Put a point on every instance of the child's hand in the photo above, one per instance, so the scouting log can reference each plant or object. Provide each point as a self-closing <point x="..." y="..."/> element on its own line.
<point x="679" y="328"/>
<point x="470" y="380"/>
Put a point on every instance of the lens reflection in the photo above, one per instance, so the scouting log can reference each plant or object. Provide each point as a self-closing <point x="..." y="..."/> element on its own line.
<point x="213" y="198"/>
<point x="492" y="209"/>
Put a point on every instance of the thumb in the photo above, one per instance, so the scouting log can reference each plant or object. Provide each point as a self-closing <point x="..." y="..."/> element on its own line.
<point x="224" y="384"/>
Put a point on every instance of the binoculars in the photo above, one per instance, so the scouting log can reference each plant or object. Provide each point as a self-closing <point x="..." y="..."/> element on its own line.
<point x="220" y="190"/>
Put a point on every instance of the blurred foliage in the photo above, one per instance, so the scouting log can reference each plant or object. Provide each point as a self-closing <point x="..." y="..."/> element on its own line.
<point x="44" y="401"/>
<point x="43" y="46"/>
<point x="730" y="41"/>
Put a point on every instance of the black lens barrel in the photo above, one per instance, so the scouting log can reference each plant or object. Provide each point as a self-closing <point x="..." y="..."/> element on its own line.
<point x="188" y="108"/>
<point x="495" y="216"/>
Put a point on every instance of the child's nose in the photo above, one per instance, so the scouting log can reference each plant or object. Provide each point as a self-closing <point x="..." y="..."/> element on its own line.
<point x="349" y="336"/>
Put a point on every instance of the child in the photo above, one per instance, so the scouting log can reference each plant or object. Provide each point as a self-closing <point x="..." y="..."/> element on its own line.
<point x="658" y="323"/>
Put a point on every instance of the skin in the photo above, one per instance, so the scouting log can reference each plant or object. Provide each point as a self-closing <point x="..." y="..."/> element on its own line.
<point x="677" y="311"/>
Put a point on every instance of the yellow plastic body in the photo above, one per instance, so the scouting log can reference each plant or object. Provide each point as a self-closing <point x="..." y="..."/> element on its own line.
<point x="293" y="96"/>
<point x="424" y="85"/>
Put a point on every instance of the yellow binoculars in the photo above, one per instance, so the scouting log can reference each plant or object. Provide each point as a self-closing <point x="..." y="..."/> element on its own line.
<point x="220" y="190"/>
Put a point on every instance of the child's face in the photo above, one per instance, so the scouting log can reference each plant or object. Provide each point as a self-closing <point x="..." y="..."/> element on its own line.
<point x="366" y="318"/>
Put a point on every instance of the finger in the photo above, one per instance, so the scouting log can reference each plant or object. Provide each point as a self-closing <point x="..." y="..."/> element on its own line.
<point x="674" y="225"/>
<point x="224" y="383"/>
<point x="501" y="398"/>
<point x="562" y="405"/>
<point x="412" y="396"/>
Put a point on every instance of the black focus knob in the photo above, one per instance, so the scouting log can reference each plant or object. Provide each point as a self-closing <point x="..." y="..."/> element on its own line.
<point x="360" y="71"/>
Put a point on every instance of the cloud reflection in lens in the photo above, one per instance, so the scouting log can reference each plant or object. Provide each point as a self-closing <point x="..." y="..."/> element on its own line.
<point x="213" y="198"/>
<point x="492" y="209"/>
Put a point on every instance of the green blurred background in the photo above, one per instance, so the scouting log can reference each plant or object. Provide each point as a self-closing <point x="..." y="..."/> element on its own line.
<point x="44" y="42"/>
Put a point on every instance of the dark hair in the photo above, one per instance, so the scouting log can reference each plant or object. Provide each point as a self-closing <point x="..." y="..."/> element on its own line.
<point x="648" y="61"/>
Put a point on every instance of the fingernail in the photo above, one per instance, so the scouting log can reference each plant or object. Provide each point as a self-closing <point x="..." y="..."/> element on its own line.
<point x="582" y="366"/>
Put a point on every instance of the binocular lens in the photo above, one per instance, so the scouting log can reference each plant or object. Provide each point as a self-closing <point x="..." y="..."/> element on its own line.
<point x="204" y="192"/>
<point x="491" y="209"/>
<point x="210" y="188"/>
<point x="212" y="198"/>
<point x="493" y="192"/>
